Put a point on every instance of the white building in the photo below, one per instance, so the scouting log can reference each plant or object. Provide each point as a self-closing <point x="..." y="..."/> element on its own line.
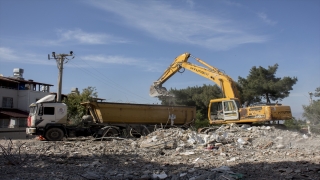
<point x="16" y="94"/>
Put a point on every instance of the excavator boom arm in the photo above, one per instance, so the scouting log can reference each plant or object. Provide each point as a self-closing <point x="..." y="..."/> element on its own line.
<point x="156" y="88"/>
<point x="226" y="84"/>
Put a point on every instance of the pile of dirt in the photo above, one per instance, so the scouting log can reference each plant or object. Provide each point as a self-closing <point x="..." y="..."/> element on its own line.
<point x="229" y="152"/>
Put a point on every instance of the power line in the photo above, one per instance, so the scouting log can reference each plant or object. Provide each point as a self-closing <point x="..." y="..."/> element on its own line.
<point x="105" y="78"/>
<point x="92" y="74"/>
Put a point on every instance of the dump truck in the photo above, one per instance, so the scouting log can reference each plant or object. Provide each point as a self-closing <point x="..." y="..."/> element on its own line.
<point x="227" y="109"/>
<point x="48" y="119"/>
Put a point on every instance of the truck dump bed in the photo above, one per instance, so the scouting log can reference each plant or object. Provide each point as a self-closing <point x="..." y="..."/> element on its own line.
<point x="148" y="114"/>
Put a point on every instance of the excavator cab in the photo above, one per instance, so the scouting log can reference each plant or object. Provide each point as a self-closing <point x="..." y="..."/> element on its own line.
<point x="224" y="109"/>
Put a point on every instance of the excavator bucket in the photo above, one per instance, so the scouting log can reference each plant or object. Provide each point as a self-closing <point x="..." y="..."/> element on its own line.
<point x="157" y="91"/>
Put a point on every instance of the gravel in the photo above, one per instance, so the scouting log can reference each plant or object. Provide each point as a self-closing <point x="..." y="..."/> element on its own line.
<point x="230" y="152"/>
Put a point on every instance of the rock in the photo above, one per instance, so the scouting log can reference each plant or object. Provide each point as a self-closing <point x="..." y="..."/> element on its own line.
<point x="187" y="153"/>
<point x="91" y="175"/>
<point x="245" y="126"/>
<point x="145" y="176"/>
<point x="280" y="146"/>
<point x="134" y="144"/>
<point x="162" y="175"/>
<point x="231" y="159"/>
<point x="183" y="174"/>
<point x="242" y="141"/>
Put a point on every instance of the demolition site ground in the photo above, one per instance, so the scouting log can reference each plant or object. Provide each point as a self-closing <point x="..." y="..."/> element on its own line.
<point x="229" y="152"/>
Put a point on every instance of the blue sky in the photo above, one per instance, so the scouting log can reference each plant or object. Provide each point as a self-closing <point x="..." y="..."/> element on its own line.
<point x="121" y="47"/>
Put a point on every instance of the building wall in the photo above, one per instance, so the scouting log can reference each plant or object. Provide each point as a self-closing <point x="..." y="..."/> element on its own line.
<point x="21" y="98"/>
<point x="4" y="92"/>
<point x="15" y="128"/>
<point x="26" y="97"/>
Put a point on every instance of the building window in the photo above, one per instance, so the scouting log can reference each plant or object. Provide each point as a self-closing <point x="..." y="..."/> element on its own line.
<point x="16" y="123"/>
<point x="22" y="122"/>
<point x="7" y="102"/>
<point x="4" y="123"/>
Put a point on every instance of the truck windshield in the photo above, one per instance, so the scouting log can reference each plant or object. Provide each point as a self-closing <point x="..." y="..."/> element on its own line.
<point x="32" y="109"/>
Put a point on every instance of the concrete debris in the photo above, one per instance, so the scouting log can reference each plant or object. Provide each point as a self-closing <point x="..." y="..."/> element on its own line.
<point x="187" y="153"/>
<point x="162" y="175"/>
<point x="225" y="152"/>
<point x="90" y="175"/>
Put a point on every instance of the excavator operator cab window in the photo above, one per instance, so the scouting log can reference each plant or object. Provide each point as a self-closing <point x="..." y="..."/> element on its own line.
<point x="228" y="106"/>
<point x="216" y="112"/>
<point x="230" y="110"/>
<point x="225" y="110"/>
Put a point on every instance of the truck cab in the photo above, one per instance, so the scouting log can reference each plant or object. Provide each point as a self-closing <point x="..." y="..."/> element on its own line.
<point x="46" y="114"/>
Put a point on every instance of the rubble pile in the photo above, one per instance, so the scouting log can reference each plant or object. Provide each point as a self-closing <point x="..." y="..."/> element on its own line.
<point x="226" y="152"/>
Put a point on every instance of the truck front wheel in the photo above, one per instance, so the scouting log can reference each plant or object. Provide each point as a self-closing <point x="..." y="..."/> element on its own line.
<point x="54" y="134"/>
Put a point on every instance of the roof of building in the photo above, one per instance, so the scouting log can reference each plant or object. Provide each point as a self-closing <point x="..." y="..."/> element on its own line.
<point x="6" y="79"/>
<point x="16" y="80"/>
<point x="14" y="113"/>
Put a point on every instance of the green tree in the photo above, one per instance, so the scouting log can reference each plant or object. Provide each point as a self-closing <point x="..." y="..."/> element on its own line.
<point x="193" y="96"/>
<point x="294" y="124"/>
<point x="74" y="100"/>
<point x="262" y="84"/>
<point x="312" y="111"/>
<point x="317" y="92"/>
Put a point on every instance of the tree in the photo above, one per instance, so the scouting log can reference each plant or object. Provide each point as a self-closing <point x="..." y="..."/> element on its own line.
<point x="295" y="124"/>
<point x="317" y="92"/>
<point x="74" y="100"/>
<point x="262" y="84"/>
<point x="193" y="96"/>
<point x="312" y="111"/>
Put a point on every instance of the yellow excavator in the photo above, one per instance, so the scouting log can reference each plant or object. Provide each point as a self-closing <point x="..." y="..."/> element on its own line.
<point x="227" y="109"/>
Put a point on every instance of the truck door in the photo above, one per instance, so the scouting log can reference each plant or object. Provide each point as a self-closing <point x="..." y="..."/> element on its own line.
<point x="230" y="110"/>
<point x="46" y="114"/>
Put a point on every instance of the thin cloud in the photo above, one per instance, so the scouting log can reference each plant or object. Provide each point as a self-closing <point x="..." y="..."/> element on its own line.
<point x="190" y="3"/>
<point x="79" y="36"/>
<point x="120" y="60"/>
<point x="230" y="3"/>
<point x="9" y="55"/>
<point x="174" y="24"/>
<point x="265" y="18"/>
<point x="110" y="59"/>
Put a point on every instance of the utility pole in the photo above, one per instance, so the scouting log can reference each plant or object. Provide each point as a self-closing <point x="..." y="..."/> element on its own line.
<point x="60" y="59"/>
<point x="308" y="122"/>
<point x="310" y="100"/>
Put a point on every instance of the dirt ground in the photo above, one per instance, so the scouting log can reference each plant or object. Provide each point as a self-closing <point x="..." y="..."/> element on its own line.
<point x="230" y="152"/>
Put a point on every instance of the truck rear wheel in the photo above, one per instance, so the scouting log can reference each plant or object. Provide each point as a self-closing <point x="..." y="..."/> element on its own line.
<point x="54" y="134"/>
